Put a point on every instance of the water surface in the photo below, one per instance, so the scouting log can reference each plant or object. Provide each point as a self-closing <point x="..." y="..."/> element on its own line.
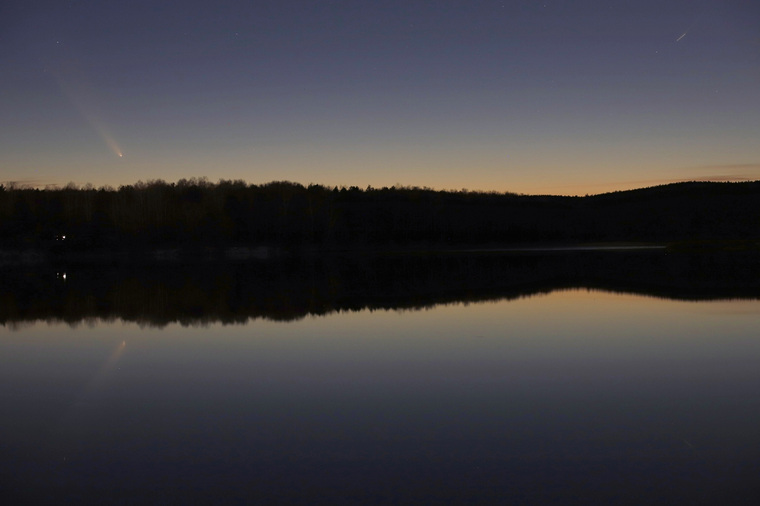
<point x="571" y="396"/>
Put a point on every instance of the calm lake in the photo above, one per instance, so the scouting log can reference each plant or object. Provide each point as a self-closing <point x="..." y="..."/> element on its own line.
<point x="564" y="394"/>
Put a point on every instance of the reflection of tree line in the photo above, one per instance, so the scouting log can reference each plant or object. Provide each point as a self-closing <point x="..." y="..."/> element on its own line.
<point x="287" y="289"/>
<point x="198" y="213"/>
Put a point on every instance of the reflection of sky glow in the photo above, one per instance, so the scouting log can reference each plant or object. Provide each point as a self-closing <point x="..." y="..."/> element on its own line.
<point x="84" y="408"/>
<point x="552" y="385"/>
<point x="101" y="377"/>
<point x="572" y="318"/>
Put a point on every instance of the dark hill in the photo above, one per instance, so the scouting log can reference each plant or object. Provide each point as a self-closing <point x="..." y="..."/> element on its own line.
<point x="198" y="214"/>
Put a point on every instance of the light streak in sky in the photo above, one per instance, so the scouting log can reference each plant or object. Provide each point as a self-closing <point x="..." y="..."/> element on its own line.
<point x="83" y="99"/>
<point x="102" y="131"/>
<point x="697" y="16"/>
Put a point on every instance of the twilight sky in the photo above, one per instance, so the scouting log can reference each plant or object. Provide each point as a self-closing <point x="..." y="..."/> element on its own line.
<point x="561" y="97"/>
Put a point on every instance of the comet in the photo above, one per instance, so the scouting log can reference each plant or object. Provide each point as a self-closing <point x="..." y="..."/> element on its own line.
<point x="84" y="99"/>
<point x="102" y="130"/>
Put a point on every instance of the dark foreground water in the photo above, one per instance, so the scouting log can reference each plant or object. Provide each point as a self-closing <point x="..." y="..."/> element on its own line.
<point x="564" y="395"/>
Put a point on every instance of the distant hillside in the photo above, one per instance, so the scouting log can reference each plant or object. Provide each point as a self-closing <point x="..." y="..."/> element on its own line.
<point x="197" y="213"/>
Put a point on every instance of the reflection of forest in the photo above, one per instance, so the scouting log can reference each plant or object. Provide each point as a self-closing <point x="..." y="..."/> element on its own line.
<point x="290" y="288"/>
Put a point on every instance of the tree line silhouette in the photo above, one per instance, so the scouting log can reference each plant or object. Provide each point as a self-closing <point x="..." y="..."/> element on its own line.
<point x="196" y="212"/>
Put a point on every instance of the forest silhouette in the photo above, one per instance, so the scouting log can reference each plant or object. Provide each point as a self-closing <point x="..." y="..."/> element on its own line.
<point x="195" y="213"/>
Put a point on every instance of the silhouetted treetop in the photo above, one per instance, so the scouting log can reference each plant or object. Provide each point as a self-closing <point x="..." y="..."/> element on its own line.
<point x="197" y="213"/>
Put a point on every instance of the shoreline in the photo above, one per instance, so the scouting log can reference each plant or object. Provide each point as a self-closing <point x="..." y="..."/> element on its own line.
<point x="11" y="257"/>
<point x="35" y="256"/>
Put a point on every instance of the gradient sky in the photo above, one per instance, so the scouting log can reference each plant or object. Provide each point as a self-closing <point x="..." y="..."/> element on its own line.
<point x="562" y="97"/>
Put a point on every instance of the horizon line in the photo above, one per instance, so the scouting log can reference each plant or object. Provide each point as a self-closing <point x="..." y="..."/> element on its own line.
<point x="35" y="184"/>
